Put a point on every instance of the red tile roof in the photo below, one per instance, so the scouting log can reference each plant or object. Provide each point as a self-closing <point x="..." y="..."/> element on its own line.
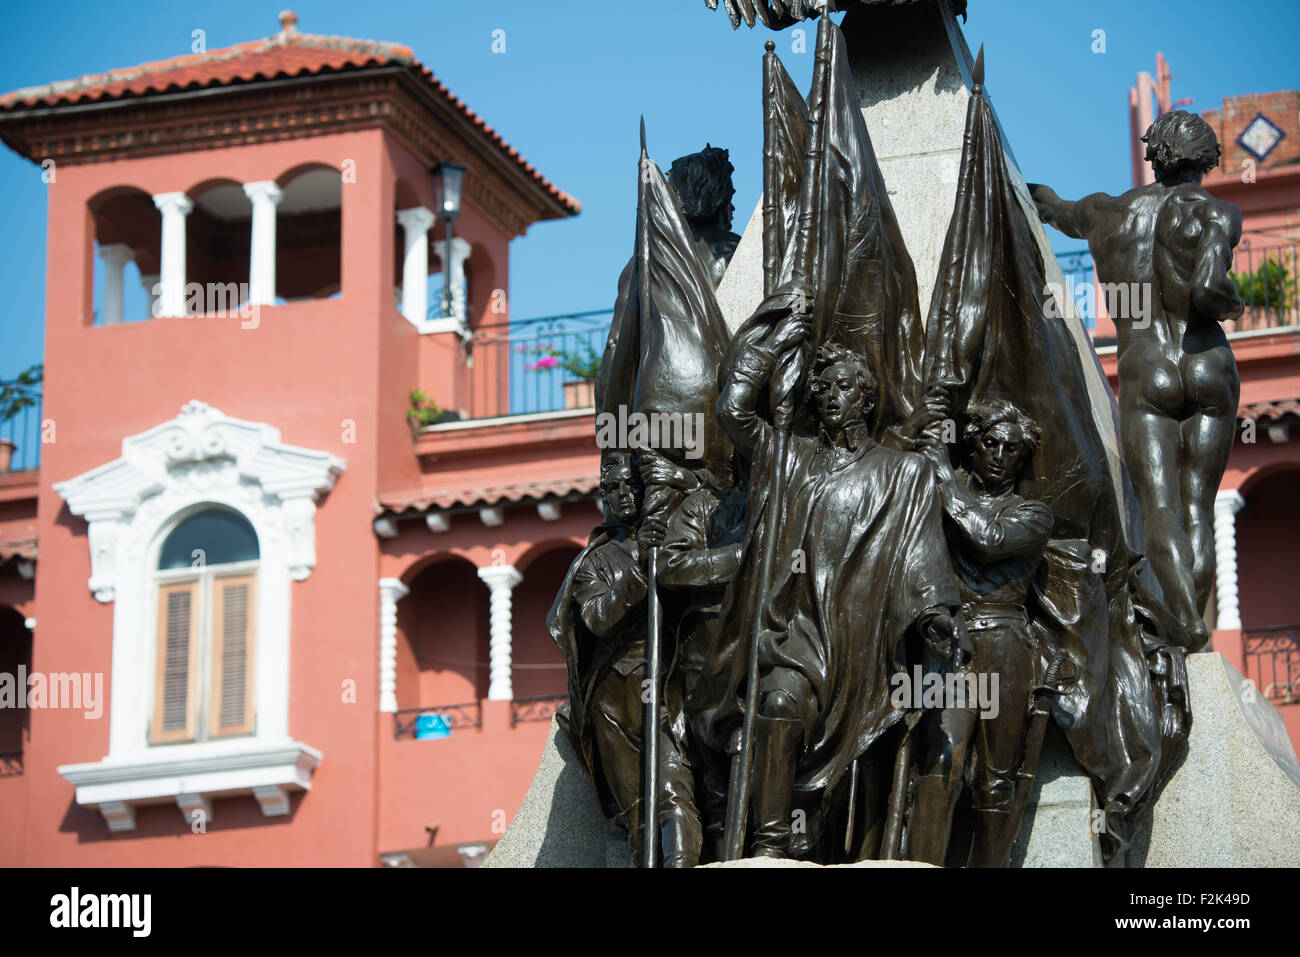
<point x="483" y="496"/>
<point x="19" y="547"/>
<point x="287" y="54"/>
<point x="1269" y="411"/>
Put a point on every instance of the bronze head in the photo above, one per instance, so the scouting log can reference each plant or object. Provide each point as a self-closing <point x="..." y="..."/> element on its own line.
<point x="1002" y="439"/>
<point x="1181" y="145"/>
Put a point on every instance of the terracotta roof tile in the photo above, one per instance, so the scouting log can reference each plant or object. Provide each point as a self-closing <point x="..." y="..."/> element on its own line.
<point x="18" y="548"/>
<point x="1269" y="411"/>
<point x="287" y="54"/>
<point x="483" y="496"/>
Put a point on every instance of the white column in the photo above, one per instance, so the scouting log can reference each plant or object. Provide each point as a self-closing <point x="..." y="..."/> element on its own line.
<point x="454" y="273"/>
<point x="1226" y="506"/>
<point x="391" y="590"/>
<point x="150" y="284"/>
<point x="501" y="580"/>
<point x="174" y="208"/>
<point x="265" y="196"/>
<point x="415" y="223"/>
<point x="115" y="257"/>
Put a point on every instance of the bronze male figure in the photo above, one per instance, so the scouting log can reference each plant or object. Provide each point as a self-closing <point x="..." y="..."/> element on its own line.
<point x="1171" y="243"/>
<point x="599" y="622"/>
<point x="997" y="539"/>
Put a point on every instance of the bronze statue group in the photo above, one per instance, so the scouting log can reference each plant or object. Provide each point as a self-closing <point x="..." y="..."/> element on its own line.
<point x="880" y="498"/>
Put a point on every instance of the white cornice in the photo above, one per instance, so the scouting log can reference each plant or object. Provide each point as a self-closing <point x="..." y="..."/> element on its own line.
<point x="198" y="450"/>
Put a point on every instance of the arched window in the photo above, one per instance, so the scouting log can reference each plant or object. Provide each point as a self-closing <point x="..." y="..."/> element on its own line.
<point x="206" y="591"/>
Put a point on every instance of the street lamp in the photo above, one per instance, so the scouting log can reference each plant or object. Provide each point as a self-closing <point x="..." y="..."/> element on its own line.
<point x="447" y="180"/>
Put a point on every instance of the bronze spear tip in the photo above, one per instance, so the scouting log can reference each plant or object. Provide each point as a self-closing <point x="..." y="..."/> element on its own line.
<point x="978" y="73"/>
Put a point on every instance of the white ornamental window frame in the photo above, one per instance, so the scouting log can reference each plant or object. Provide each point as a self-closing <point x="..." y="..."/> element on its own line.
<point x="198" y="460"/>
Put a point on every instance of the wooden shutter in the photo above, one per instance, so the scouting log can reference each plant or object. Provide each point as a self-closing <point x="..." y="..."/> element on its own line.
<point x="176" y="682"/>
<point x="233" y="617"/>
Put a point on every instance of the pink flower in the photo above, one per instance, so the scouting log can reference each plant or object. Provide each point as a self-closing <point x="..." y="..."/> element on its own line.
<point x="546" y="362"/>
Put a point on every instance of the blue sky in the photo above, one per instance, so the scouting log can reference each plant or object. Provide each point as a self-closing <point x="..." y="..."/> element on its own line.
<point x="577" y="75"/>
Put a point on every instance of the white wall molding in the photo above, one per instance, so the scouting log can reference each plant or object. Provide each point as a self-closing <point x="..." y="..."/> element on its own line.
<point x="501" y="581"/>
<point x="1227" y="606"/>
<point x="200" y="459"/>
<point x="391" y="591"/>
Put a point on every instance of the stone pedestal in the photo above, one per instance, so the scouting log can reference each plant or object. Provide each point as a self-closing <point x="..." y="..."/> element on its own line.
<point x="1235" y="800"/>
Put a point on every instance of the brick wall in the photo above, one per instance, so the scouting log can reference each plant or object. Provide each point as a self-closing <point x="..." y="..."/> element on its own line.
<point x="1281" y="108"/>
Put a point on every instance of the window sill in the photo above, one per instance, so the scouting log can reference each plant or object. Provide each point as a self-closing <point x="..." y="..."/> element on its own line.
<point x="193" y="775"/>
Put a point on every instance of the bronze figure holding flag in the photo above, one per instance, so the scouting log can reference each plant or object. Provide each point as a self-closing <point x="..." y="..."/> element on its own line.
<point x="735" y="636"/>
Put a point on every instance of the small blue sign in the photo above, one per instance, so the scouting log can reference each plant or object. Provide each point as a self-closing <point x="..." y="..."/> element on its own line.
<point x="431" y="727"/>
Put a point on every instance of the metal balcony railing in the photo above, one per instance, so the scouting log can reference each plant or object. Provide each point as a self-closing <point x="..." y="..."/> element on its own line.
<point x="536" y="708"/>
<point x="536" y="365"/>
<point x="439" y="721"/>
<point x="1265" y="273"/>
<point x="23" y="430"/>
<point x="1273" y="661"/>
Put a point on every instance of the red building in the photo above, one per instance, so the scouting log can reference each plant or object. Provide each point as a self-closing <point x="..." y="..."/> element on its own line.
<point x="239" y="537"/>
<point x="269" y="620"/>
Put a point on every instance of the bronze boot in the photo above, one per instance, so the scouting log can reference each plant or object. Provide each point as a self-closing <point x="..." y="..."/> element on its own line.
<point x="777" y="745"/>
<point x="930" y="825"/>
<point x="995" y="833"/>
<point x="680" y="838"/>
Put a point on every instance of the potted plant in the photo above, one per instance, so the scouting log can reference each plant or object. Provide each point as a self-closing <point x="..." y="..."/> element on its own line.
<point x="424" y="411"/>
<point x="1269" y="293"/>
<point x="581" y="366"/>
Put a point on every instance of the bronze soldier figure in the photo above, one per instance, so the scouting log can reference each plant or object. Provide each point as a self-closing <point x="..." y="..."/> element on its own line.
<point x="1178" y="384"/>
<point x="702" y="182"/>
<point x="862" y="567"/>
<point x="599" y="622"/>
<point x="997" y="541"/>
<point x="701" y="553"/>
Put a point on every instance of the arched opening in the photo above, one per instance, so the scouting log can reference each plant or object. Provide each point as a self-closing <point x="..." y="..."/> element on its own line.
<point x="444" y="618"/>
<point x="1268" y="528"/>
<point x="218" y="234"/>
<point x="309" y="234"/>
<point x="15" y="666"/>
<point x="538" y="665"/>
<point x="127" y="243"/>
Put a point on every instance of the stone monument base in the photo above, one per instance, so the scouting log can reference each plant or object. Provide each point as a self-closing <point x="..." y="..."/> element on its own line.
<point x="1234" y="801"/>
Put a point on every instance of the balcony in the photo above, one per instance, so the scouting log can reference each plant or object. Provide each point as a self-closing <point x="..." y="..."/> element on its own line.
<point x="444" y="720"/>
<point x="548" y="364"/>
<point x="20" y="433"/>
<point x="1265" y="274"/>
<point x="1272" y="658"/>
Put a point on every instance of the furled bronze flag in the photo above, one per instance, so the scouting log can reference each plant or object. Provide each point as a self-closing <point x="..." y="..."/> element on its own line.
<point x="664" y="358"/>
<point x="839" y="246"/>
<point x="995" y="331"/>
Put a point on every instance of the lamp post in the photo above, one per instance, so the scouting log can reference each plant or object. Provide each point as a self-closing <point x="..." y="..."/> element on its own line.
<point x="447" y="180"/>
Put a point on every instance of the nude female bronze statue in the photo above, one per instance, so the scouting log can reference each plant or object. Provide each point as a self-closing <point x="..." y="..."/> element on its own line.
<point x="1178" y="381"/>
